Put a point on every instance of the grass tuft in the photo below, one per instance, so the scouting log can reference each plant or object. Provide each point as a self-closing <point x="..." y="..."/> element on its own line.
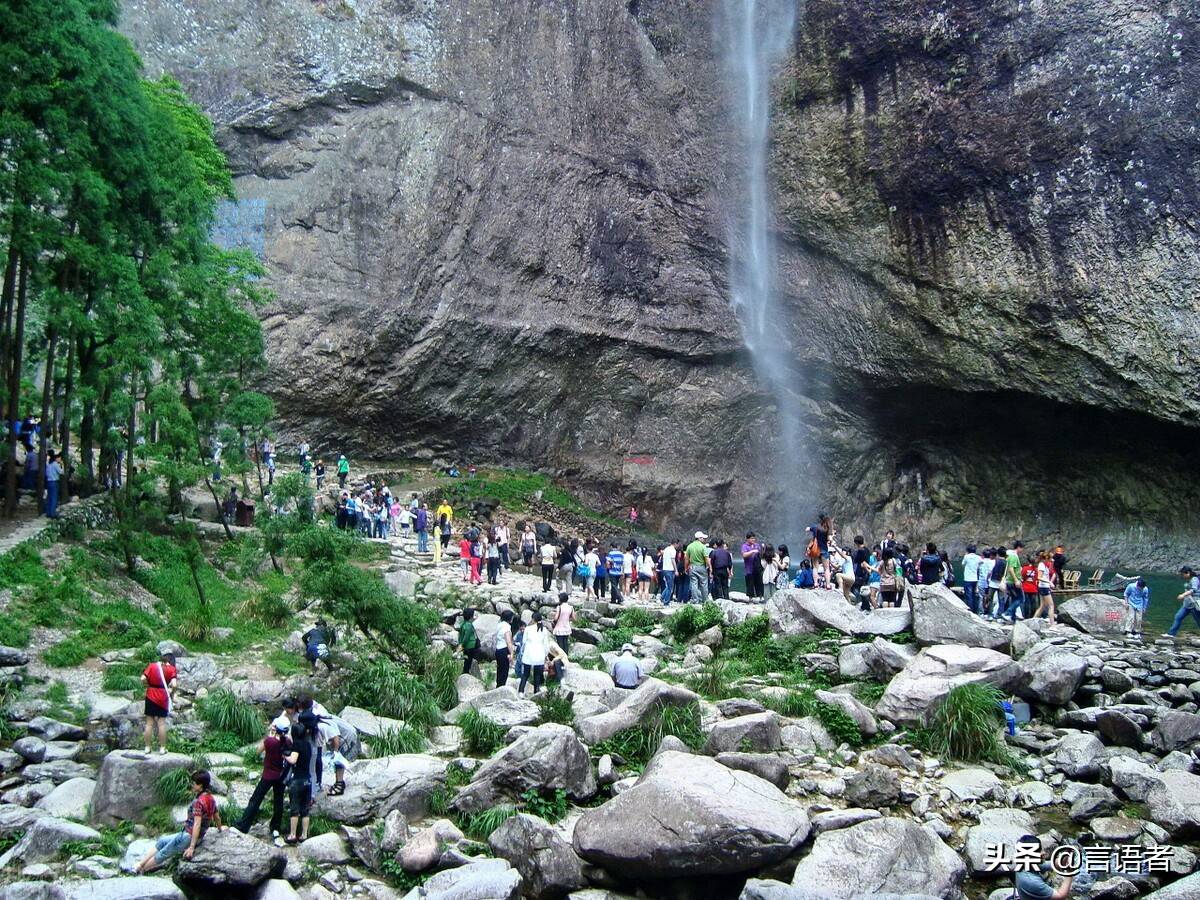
<point x="394" y="741"/>
<point x="967" y="726"/>
<point x="225" y="711"/>
<point x="481" y="735"/>
<point x="638" y="744"/>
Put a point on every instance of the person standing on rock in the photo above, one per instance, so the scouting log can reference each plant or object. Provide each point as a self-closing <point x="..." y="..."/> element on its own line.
<point x="566" y="566"/>
<point x="468" y="640"/>
<point x="300" y="788"/>
<point x="549" y="555"/>
<point x="722" y="569"/>
<point x="614" y="562"/>
<point x="54" y="473"/>
<point x="1189" y="601"/>
<point x="970" y="567"/>
<point x="564" y="615"/>
<point x="535" y="650"/>
<point x="770" y="571"/>
<point x="493" y="559"/>
<point x="891" y="578"/>
<point x="1045" y="585"/>
<point x="1012" y="574"/>
<point x="699" y="567"/>
<point x="628" y="561"/>
<point x="273" y="748"/>
<point x="477" y="550"/>
<point x="1137" y="598"/>
<point x="202" y="814"/>
<point x="446" y="528"/>
<point x="752" y="566"/>
<point x="421" y="523"/>
<point x="159" y="678"/>
<point x="445" y="509"/>
<point x="528" y="545"/>
<point x="645" y="573"/>
<point x="505" y="651"/>
<point x="501" y="536"/>
<point x="667" y="581"/>
<point x="591" y="568"/>
<point x="343" y="470"/>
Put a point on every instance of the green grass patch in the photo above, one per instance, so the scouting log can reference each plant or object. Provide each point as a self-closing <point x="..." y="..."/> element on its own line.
<point x="693" y="619"/>
<point x="480" y="825"/>
<point x="22" y="567"/>
<point x="515" y="490"/>
<point x="714" y="680"/>
<point x="394" y="741"/>
<point x="636" y="745"/>
<point x="284" y="663"/>
<point x="225" y="711"/>
<point x="549" y="805"/>
<point x="174" y="787"/>
<point x="159" y="818"/>
<point x="15" y="629"/>
<point x="967" y="726"/>
<point x="122" y="676"/>
<point x="481" y="735"/>
<point x="636" y="618"/>
<point x="555" y="707"/>
<point x="386" y="689"/>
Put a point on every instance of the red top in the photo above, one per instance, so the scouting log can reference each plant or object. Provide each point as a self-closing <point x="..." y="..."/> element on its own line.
<point x="205" y="807"/>
<point x="156" y="689"/>
<point x="1029" y="579"/>
<point x="273" y="750"/>
<point x="464" y="548"/>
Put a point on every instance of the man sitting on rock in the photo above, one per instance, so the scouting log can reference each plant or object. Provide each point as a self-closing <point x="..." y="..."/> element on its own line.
<point x="201" y="814"/>
<point x="625" y="671"/>
<point x="1031" y="885"/>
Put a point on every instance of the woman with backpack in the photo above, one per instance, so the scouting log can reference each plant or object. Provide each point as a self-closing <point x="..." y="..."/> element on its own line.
<point x="535" y="650"/>
<point x="770" y="571"/>
<point x="528" y="545"/>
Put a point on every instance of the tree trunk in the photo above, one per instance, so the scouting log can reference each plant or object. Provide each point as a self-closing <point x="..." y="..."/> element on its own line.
<point x="131" y="434"/>
<point x="64" y="426"/>
<point x="6" y="307"/>
<point x="14" y="387"/>
<point x="46" y="434"/>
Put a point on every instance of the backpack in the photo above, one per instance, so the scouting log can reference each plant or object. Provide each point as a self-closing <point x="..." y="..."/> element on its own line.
<point x="814" y="549"/>
<point x="909" y="568"/>
<point x="887" y="578"/>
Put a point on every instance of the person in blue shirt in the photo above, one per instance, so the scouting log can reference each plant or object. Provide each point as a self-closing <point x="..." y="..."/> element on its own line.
<point x="615" y="561"/>
<point x="1137" y="595"/>
<point x="1031" y="885"/>
<point x="1189" y="601"/>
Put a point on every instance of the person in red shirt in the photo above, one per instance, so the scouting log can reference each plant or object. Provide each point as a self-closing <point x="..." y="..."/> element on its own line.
<point x="202" y="814"/>
<point x="464" y="553"/>
<point x="1029" y="587"/>
<point x="159" y="678"/>
<point x="273" y="749"/>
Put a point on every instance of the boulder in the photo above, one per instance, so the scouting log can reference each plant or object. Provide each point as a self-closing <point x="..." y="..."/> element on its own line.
<point x="1102" y="614"/>
<point x="805" y="611"/>
<point x="762" y="889"/>
<point x="765" y="766"/>
<point x="834" y="819"/>
<point x="1183" y="889"/>
<point x="125" y="787"/>
<point x="31" y="749"/>
<point x="549" y="867"/>
<point x="940" y="617"/>
<point x="53" y="730"/>
<point x="43" y="840"/>
<point x="1176" y="730"/>
<point x="374" y="787"/>
<point x="488" y="879"/>
<point x="327" y="849"/>
<point x="1032" y="794"/>
<point x="1050" y="674"/>
<point x="424" y="850"/>
<point x="195" y="672"/>
<point x="14" y="818"/>
<point x="12" y="656"/>
<point x="366" y="723"/>
<point x="1118" y="728"/>
<point x="135" y="851"/>
<point x="140" y="887"/>
<point x="881" y="855"/>
<point x="639" y="703"/>
<point x="468" y="687"/>
<point x="880" y="659"/>
<point x="31" y="890"/>
<point x="862" y="716"/>
<point x="231" y="861"/>
<point x="973" y="784"/>
<point x="1132" y="777"/>
<point x="58" y="770"/>
<point x="276" y="889"/>
<point x="504" y="707"/>
<point x="873" y="786"/>
<point x="689" y="815"/>
<point x="549" y="757"/>
<point x="1026" y="633"/>
<point x="1078" y="755"/>
<point x="1174" y="803"/>
<point x="403" y="584"/>
<point x="913" y="695"/>
<point x="996" y="826"/>
<point x="70" y="800"/>
<point x="754" y="732"/>
<point x="578" y="680"/>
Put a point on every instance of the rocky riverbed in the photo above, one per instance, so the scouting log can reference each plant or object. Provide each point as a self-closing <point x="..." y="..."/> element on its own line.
<point x="762" y="798"/>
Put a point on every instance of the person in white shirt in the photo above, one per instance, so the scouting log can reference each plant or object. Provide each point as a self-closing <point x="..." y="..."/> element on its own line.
<point x="625" y="671"/>
<point x="535" y="650"/>
<point x="668" y="573"/>
<point x="504" y="648"/>
<point x="549" y="557"/>
<point x="502" y="535"/>
<point x="970" y="567"/>
<point x="627" y="567"/>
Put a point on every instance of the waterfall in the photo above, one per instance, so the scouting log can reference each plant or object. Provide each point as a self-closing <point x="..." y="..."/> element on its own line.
<point x="757" y="35"/>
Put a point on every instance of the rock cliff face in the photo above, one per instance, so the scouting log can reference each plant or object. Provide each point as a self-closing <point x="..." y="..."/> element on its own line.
<point x="498" y="231"/>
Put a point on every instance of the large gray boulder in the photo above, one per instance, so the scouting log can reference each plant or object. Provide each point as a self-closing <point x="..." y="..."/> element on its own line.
<point x="940" y="617"/>
<point x="1184" y="889"/>
<point x="880" y="659"/>
<point x="1174" y="803"/>
<point x="1078" y="755"/>
<point x="1050" y="674"/>
<point x="810" y="611"/>
<point x="763" y="889"/>
<point x="44" y="839"/>
<point x="139" y="887"/>
<point x="549" y="757"/>
<point x="912" y="696"/>
<point x="753" y="732"/>
<point x="367" y="723"/>
<point x="996" y="826"/>
<point x="488" y="879"/>
<point x="53" y="730"/>
<point x="881" y="855"/>
<point x="70" y="800"/>
<point x="689" y="815"/>
<point x="374" y="787"/>
<point x="548" y="865"/>
<point x="1101" y="614"/>
<point x="232" y="861"/>
<point x="125" y="787"/>
<point x="639" y="703"/>
<point x="1175" y="730"/>
<point x="504" y="707"/>
<point x="1134" y="778"/>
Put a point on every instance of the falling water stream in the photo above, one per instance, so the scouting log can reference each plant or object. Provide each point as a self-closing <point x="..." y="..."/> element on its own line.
<point x="757" y="35"/>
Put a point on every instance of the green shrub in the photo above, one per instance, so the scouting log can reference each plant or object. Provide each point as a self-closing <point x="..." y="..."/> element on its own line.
<point x="615" y="638"/>
<point x="15" y="630"/>
<point x="555" y="707"/>
<point x="713" y="680"/>
<point x="481" y="735"/>
<point x="159" y="818"/>
<point x="67" y="654"/>
<point x="439" y="673"/>
<point x="637" y="744"/>
<point x="22" y="566"/>
<point x="268" y="608"/>
<point x="636" y="618"/>
<point x="967" y="726"/>
<point x="839" y="724"/>
<point x="57" y="692"/>
<point x="284" y="663"/>
<point x="548" y="805"/>
<point x="174" y="787"/>
<point x="481" y="824"/>
<point x="320" y="824"/>
<point x="225" y="711"/>
<point x="386" y="689"/>
<point x="122" y="676"/>
<point x="692" y="619"/>
<point x="795" y="704"/>
<point x="869" y="692"/>
<point x="220" y="742"/>
<point x="394" y="741"/>
<point x="10" y="840"/>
